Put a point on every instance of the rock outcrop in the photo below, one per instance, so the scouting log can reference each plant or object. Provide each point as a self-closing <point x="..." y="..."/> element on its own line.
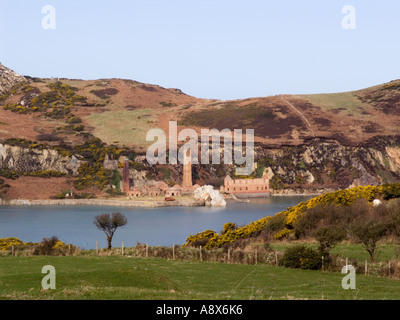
<point x="331" y="165"/>
<point x="8" y="78"/>
<point x="29" y="160"/>
<point x="210" y="196"/>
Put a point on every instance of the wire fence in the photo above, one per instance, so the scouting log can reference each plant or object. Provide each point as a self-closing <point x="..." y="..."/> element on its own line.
<point x="254" y="255"/>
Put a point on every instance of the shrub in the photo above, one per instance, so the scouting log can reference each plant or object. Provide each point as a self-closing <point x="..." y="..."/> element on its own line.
<point x="49" y="246"/>
<point x="275" y="224"/>
<point x="301" y="257"/>
<point x="70" y="128"/>
<point x="229" y="227"/>
<point x="48" y="137"/>
<point x="62" y="195"/>
<point x="167" y="104"/>
<point x="7" y="243"/>
<point x="345" y="206"/>
<point x="74" y="120"/>
<point x="391" y="191"/>
<point x="200" y="239"/>
<point x="84" y="195"/>
<point x="328" y="237"/>
<point x="9" y="174"/>
<point x="46" y="174"/>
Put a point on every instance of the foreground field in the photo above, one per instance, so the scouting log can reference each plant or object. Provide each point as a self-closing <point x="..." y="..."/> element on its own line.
<point x="94" y="277"/>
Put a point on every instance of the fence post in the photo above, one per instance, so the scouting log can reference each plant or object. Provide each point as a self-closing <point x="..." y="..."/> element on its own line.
<point x="147" y="251"/>
<point x="97" y="246"/>
<point x="255" y="254"/>
<point x="12" y="251"/>
<point x="276" y="257"/>
<point x="69" y="248"/>
<point x="173" y="252"/>
<point x="229" y="255"/>
<point x="366" y="267"/>
<point x="122" y="248"/>
<point x="346" y="265"/>
<point x="201" y="255"/>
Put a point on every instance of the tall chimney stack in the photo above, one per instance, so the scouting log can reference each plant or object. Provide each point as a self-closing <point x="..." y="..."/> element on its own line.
<point x="125" y="177"/>
<point x="187" y="170"/>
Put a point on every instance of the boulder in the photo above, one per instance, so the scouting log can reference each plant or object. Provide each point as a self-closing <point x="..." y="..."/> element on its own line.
<point x="210" y="196"/>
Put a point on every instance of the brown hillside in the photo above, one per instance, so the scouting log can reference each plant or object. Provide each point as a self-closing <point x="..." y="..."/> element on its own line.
<point x="122" y="111"/>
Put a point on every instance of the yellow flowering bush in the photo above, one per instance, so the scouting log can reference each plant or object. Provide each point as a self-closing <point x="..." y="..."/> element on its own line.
<point x="348" y="197"/>
<point x="283" y="233"/>
<point x="60" y="244"/>
<point x="7" y="243"/>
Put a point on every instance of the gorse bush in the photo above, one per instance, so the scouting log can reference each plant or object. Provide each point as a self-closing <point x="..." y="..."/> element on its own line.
<point x="13" y="175"/>
<point x="7" y="243"/>
<point x="23" y="143"/>
<point x="56" y="103"/>
<point x="301" y="257"/>
<point x="52" y="247"/>
<point x="285" y="224"/>
<point x="9" y="174"/>
<point x="47" y="174"/>
<point x="92" y="172"/>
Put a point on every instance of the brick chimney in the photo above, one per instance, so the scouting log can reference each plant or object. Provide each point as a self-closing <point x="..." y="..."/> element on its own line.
<point x="187" y="170"/>
<point x="125" y="177"/>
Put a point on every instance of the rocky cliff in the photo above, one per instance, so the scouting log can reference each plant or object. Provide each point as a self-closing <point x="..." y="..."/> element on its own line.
<point x="29" y="160"/>
<point x="8" y="78"/>
<point x="328" y="164"/>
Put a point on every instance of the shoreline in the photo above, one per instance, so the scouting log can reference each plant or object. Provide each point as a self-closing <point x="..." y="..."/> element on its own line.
<point x="103" y="202"/>
<point x="126" y="203"/>
<point x="295" y="194"/>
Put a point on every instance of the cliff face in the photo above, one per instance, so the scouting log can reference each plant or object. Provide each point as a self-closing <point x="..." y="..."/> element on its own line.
<point x="329" y="164"/>
<point x="8" y="78"/>
<point x="30" y="160"/>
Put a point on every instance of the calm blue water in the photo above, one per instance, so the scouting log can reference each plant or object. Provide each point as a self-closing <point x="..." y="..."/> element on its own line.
<point x="154" y="226"/>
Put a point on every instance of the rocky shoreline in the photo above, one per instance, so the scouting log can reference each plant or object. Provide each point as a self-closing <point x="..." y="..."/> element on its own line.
<point x="138" y="203"/>
<point x="102" y="202"/>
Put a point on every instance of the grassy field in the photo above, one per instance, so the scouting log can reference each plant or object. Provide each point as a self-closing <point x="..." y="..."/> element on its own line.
<point x="125" y="127"/>
<point x="328" y="101"/>
<point x="111" y="277"/>
<point x="386" y="251"/>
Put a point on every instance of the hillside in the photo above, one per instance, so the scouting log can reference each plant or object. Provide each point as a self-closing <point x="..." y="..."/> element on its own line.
<point x="302" y="141"/>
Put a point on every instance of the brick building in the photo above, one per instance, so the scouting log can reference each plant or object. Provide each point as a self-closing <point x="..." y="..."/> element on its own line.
<point x="247" y="188"/>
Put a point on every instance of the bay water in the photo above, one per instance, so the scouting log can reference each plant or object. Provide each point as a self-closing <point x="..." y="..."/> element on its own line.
<point x="162" y="226"/>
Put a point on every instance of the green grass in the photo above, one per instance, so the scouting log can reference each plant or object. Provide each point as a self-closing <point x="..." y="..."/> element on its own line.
<point x="386" y="251"/>
<point x="128" y="127"/>
<point x="111" y="277"/>
<point x="328" y="101"/>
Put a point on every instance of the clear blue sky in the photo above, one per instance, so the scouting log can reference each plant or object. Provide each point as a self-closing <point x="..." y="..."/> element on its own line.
<point x="208" y="48"/>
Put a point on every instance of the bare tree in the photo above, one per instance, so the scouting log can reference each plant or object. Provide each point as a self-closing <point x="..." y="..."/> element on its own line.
<point x="109" y="224"/>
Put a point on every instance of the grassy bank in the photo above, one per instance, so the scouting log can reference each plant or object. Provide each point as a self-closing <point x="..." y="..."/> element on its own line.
<point x="386" y="251"/>
<point x="112" y="277"/>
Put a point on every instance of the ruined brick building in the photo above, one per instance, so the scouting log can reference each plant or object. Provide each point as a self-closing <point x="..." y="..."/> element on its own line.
<point x="247" y="188"/>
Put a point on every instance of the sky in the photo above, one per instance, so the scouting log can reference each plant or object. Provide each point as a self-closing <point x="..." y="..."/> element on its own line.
<point x="214" y="49"/>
